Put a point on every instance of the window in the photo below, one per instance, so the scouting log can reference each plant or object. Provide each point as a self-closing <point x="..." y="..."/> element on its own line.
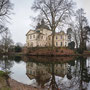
<point x="61" y="36"/>
<point x="61" y="44"/>
<point x="31" y="44"/>
<point x="65" y="43"/>
<point x="30" y="72"/>
<point x="30" y="36"/>
<point x="33" y="72"/>
<point x="56" y="43"/>
<point x="56" y="37"/>
<point x="33" y="36"/>
<point x="41" y="37"/>
<point x="27" y="71"/>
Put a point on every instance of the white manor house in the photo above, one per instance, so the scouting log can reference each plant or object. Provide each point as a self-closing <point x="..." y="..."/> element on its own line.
<point x="42" y="37"/>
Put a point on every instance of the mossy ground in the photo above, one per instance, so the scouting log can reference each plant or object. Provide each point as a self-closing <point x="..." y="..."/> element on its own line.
<point x="3" y="84"/>
<point x="5" y="88"/>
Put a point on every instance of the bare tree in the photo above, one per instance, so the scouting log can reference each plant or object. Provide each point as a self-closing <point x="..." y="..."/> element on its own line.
<point x="81" y="30"/>
<point x="75" y="34"/>
<point x="54" y="12"/>
<point x="6" y="40"/>
<point x="76" y="37"/>
<point x="5" y="11"/>
<point x="5" y="7"/>
<point x="81" y="23"/>
<point x="2" y="29"/>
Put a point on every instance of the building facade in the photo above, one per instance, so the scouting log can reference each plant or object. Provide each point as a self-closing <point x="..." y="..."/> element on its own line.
<point x="42" y="37"/>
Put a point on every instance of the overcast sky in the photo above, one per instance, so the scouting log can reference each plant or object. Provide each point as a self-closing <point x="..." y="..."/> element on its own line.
<point x="21" y="22"/>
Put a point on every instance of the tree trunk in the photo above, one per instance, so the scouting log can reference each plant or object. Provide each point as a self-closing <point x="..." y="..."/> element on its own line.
<point x="53" y="34"/>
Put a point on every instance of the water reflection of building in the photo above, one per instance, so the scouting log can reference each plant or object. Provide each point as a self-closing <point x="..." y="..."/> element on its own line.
<point x="43" y="72"/>
<point x="38" y="72"/>
<point x="61" y="69"/>
<point x="70" y="75"/>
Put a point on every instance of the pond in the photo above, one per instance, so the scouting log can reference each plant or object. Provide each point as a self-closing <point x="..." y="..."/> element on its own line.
<point x="49" y="73"/>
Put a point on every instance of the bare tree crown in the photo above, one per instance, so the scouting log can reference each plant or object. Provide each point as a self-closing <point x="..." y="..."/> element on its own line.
<point x="5" y="11"/>
<point x="5" y="7"/>
<point x="54" y="11"/>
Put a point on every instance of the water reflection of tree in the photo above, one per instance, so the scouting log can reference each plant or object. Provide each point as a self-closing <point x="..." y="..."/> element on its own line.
<point x="6" y="63"/>
<point x="17" y="59"/>
<point x="49" y="69"/>
<point x="53" y="83"/>
<point x="85" y="77"/>
<point x="80" y="76"/>
<point x="77" y="74"/>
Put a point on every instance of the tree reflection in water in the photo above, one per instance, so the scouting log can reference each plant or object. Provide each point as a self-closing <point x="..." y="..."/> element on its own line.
<point x="6" y="63"/>
<point x="70" y="75"/>
<point x="54" y="73"/>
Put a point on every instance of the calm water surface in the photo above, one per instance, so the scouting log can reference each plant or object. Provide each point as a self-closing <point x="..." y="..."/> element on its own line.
<point x="64" y="73"/>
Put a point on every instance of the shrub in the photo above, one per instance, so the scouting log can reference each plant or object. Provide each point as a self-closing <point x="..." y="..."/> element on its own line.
<point x="18" y="49"/>
<point x="71" y="45"/>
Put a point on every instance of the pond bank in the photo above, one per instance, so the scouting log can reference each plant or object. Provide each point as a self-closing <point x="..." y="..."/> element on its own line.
<point x="10" y="84"/>
<point x="49" y="52"/>
<point x="14" y="85"/>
